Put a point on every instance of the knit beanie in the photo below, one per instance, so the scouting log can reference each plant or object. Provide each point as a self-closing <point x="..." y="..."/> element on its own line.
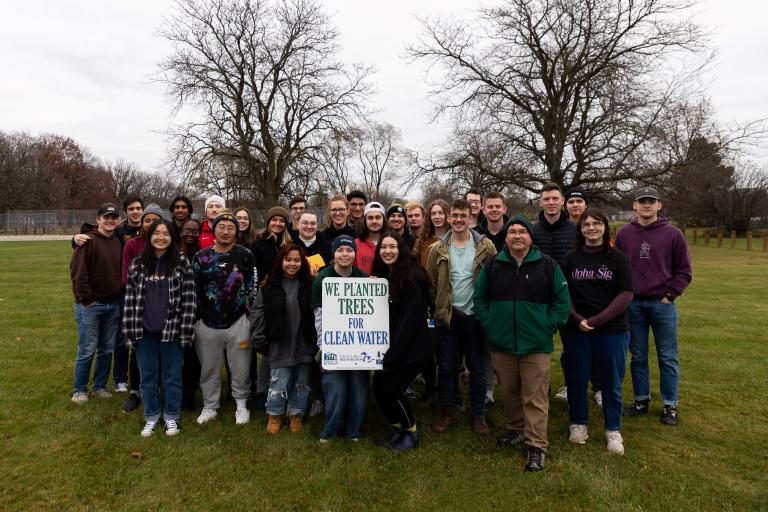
<point x="343" y="240"/>
<point x="519" y="219"/>
<point x="576" y="192"/>
<point x="395" y="208"/>
<point x="224" y="215"/>
<point x="217" y="199"/>
<point x="152" y="208"/>
<point x="278" y="211"/>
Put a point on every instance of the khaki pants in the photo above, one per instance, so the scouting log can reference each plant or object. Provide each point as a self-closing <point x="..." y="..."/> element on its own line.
<point x="524" y="386"/>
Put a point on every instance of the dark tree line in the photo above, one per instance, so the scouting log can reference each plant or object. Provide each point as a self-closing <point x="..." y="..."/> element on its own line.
<point x="54" y="172"/>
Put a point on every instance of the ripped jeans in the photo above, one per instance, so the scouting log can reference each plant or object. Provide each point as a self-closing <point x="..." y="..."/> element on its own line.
<point x="288" y="385"/>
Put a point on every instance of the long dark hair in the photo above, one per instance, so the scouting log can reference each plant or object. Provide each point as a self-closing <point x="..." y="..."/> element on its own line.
<point x="365" y="232"/>
<point x="171" y="258"/>
<point x="277" y="267"/>
<point x="597" y="215"/>
<point x="405" y="273"/>
<point x="245" y="238"/>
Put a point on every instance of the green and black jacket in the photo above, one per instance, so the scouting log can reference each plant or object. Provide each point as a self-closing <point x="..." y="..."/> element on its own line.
<point x="520" y="308"/>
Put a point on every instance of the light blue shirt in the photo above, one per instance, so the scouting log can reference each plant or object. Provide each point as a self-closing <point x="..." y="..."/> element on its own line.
<point x="461" y="276"/>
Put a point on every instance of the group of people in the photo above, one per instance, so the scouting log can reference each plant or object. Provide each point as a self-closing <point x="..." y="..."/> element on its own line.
<point x="470" y="290"/>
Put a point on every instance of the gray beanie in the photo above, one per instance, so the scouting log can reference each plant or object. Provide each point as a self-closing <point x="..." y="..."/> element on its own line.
<point x="152" y="208"/>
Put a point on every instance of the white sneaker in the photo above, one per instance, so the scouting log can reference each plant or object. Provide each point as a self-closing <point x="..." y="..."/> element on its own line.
<point x="149" y="428"/>
<point x="614" y="441"/>
<point x="242" y="416"/>
<point x="599" y="398"/>
<point x="121" y="387"/>
<point x="171" y="427"/>
<point x="79" y="397"/>
<point x="207" y="415"/>
<point x="101" y="393"/>
<point x="579" y="434"/>
<point x="317" y="408"/>
<point x="562" y="393"/>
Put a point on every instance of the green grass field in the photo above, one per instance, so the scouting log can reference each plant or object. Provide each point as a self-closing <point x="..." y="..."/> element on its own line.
<point x="56" y="455"/>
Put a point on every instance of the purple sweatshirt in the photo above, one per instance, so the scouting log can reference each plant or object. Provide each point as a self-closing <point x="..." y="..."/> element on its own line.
<point x="658" y="254"/>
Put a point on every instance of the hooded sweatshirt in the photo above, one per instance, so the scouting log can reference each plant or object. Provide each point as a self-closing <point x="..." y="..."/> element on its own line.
<point x="658" y="253"/>
<point x="95" y="269"/>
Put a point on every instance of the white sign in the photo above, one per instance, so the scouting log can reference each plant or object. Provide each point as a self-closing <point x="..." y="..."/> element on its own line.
<point x="355" y="323"/>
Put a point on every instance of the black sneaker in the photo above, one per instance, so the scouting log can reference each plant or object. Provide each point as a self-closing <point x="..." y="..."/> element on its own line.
<point x="511" y="438"/>
<point x="132" y="403"/>
<point x="669" y="415"/>
<point x="535" y="460"/>
<point x="636" y="408"/>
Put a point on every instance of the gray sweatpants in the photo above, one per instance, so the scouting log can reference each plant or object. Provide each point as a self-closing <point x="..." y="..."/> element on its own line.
<point x="210" y="345"/>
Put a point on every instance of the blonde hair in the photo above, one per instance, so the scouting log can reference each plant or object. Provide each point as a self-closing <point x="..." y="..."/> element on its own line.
<point x="328" y="219"/>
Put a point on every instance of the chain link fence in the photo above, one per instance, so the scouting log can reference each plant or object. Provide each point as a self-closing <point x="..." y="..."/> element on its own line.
<point x="45" y="222"/>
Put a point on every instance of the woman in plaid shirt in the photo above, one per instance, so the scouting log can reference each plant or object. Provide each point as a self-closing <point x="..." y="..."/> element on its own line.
<point x="158" y="320"/>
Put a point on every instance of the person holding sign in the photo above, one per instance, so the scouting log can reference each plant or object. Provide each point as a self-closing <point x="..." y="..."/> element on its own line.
<point x="373" y="226"/>
<point x="282" y="323"/>
<point x="345" y="391"/>
<point x="410" y="341"/>
<point x="316" y="249"/>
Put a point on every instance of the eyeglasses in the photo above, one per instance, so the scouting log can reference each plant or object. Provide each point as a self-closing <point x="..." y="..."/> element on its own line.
<point x="190" y="231"/>
<point x="595" y="224"/>
<point x="242" y="218"/>
<point x="519" y="232"/>
<point x="456" y="216"/>
<point x="474" y="201"/>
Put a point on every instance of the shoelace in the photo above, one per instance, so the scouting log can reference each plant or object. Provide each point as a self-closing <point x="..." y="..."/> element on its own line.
<point x="171" y="425"/>
<point x="150" y="426"/>
<point x="535" y="457"/>
<point x="615" y="436"/>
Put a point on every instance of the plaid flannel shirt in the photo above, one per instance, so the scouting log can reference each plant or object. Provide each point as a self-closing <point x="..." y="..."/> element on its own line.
<point x="180" y="321"/>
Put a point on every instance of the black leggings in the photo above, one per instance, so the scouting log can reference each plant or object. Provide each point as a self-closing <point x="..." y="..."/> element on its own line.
<point x="389" y="389"/>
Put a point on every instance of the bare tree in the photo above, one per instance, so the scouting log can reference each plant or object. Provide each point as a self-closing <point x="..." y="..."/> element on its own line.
<point x="575" y="85"/>
<point x="379" y="152"/>
<point x="265" y="79"/>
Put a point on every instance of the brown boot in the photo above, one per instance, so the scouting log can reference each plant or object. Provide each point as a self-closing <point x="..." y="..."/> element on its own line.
<point x="273" y="425"/>
<point x="445" y="419"/>
<point x="480" y="426"/>
<point x="297" y="421"/>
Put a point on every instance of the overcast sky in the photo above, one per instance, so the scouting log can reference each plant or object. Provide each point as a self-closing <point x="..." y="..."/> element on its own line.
<point x="82" y="68"/>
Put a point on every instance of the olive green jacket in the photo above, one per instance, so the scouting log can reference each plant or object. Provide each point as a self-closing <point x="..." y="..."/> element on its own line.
<point x="439" y="272"/>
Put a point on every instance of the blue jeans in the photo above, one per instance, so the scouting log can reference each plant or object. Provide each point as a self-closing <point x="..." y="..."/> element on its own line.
<point x="465" y="333"/>
<point x="604" y="355"/>
<point x="662" y="320"/>
<point x="289" y="385"/>
<point x="158" y="360"/>
<point x="345" y="391"/>
<point x="120" y="355"/>
<point x="97" y="328"/>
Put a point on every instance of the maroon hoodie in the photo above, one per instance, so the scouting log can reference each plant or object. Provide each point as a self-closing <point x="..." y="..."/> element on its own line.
<point x="95" y="269"/>
<point x="658" y="254"/>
